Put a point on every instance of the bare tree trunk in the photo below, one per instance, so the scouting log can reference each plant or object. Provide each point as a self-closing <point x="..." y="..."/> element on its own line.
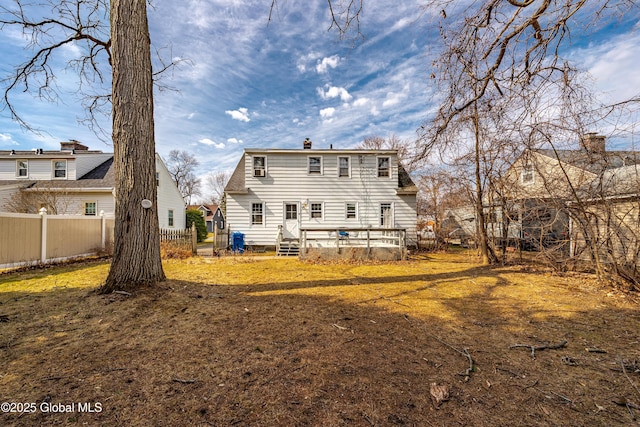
<point x="136" y="258"/>
<point x="488" y="256"/>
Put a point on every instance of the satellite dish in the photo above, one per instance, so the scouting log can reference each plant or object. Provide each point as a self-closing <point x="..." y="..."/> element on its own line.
<point x="146" y="203"/>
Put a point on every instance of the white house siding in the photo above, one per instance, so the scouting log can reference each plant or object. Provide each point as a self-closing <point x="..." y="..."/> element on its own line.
<point x="169" y="198"/>
<point x="38" y="168"/>
<point x="72" y="203"/>
<point x="287" y="180"/>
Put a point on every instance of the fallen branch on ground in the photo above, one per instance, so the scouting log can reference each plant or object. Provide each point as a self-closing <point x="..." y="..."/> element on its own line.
<point x="465" y="352"/>
<point x="540" y="347"/>
<point x="181" y="381"/>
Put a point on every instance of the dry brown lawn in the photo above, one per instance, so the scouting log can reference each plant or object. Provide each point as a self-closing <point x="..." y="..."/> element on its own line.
<point x="242" y="341"/>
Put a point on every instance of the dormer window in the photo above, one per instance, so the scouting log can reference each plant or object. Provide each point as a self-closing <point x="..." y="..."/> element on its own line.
<point x="59" y="169"/>
<point x="343" y="167"/>
<point x="315" y="165"/>
<point x="22" y="168"/>
<point x="384" y="170"/>
<point x="527" y="175"/>
<point x="259" y="166"/>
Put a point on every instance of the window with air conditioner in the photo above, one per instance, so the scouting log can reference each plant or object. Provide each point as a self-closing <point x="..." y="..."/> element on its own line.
<point x="259" y="166"/>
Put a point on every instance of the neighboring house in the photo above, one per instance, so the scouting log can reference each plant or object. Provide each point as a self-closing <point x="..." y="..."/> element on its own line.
<point x="207" y="213"/>
<point x="75" y="181"/>
<point x="280" y="191"/>
<point x="459" y="226"/>
<point x="539" y="193"/>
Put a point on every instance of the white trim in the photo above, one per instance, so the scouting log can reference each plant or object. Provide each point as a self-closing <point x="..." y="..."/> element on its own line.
<point x="18" y="176"/>
<point x="348" y="167"/>
<point x="171" y="218"/>
<point x="388" y="167"/>
<point x="253" y="166"/>
<point x="321" y="172"/>
<point x="53" y="169"/>
<point x="346" y="211"/>
<point x="322" y="210"/>
<point x="527" y="165"/>
<point x="84" y="207"/>
<point x="264" y="214"/>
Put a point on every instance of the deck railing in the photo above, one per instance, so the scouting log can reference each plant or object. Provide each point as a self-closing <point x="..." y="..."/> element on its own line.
<point x="353" y="237"/>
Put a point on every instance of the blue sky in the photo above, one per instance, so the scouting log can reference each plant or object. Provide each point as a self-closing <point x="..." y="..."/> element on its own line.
<point x="247" y="83"/>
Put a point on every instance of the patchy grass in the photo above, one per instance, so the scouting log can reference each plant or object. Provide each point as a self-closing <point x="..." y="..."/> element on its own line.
<point x="268" y="342"/>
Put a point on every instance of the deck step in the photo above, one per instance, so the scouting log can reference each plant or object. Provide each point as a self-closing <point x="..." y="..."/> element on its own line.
<point x="289" y="248"/>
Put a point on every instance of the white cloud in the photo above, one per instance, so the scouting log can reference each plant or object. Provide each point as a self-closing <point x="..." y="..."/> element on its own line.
<point x="234" y="141"/>
<point x="326" y="113"/>
<point x="6" y="139"/>
<point x="241" y="114"/>
<point x="334" y="92"/>
<point x="305" y="59"/>
<point x="207" y="141"/>
<point x="393" y="99"/>
<point x="360" y="102"/>
<point x="323" y="65"/>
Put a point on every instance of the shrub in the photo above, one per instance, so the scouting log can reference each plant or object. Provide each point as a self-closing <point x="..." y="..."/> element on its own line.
<point x="195" y="216"/>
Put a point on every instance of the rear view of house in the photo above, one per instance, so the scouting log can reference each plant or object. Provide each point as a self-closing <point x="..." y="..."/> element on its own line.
<point x="277" y="195"/>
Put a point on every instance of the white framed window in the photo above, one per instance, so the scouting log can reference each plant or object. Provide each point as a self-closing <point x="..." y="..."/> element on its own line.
<point x="170" y="217"/>
<point x="386" y="215"/>
<point x="157" y="179"/>
<point x="384" y="167"/>
<point x="344" y="167"/>
<point x="259" y="166"/>
<point x="22" y="168"/>
<point x="316" y="211"/>
<point x="59" y="169"/>
<point x="527" y="174"/>
<point x="314" y="165"/>
<point x="90" y="208"/>
<point x="351" y="210"/>
<point x="257" y="213"/>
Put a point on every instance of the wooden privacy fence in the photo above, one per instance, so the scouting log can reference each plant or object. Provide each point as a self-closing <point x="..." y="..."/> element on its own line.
<point x="183" y="237"/>
<point x="31" y="238"/>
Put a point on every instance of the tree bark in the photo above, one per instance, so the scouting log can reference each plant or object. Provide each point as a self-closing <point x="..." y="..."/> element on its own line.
<point x="136" y="258"/>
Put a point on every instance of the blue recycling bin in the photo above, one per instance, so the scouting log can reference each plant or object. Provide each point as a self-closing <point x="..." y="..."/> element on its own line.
<point x="238" y="241"/>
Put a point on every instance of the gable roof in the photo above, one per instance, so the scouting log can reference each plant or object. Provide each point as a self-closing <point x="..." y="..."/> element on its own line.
<point x="593" y="162"/>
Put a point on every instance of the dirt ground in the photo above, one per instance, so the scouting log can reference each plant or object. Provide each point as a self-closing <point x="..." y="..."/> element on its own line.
<point x="238" y="341"/>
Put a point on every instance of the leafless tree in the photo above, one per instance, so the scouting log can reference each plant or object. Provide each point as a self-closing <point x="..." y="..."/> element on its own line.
<point x="182" y="165"/>
<point x="215" y="183"/>
<point x="392" y="142"/>
<point x="27" y="200"/>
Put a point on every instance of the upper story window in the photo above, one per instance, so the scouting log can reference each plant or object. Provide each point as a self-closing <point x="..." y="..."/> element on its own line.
<point x="315" y="165"/>
<point x="170" y="217"/>
<point x="60" y="169"/>
<point x="344" y="167"/>
<point x="157" y="179"/>
<point x="384" y="170"/>
<point x="527" y="174"/>
<point x="22" y="168"/>
<point x="259" y="166"/>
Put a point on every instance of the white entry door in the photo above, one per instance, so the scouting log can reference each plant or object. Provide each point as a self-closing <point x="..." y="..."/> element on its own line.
<point x="291" y="228"/>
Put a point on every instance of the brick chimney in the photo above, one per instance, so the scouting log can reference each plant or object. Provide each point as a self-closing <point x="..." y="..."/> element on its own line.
<point x="73" y="145"/>
<point x="594" y="143"/>
<point x="307" y="144"/>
